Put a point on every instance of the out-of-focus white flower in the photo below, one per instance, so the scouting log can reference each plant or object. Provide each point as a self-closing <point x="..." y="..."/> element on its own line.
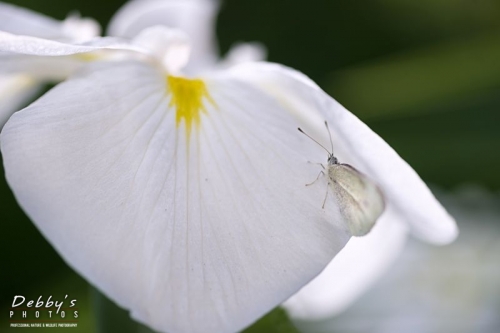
<point x="196" y="18"/>
<point x="17" y="86"/>
<point x="182" y="197"/>
<point x="455" y="288"/>
<point x="20" y="21"/>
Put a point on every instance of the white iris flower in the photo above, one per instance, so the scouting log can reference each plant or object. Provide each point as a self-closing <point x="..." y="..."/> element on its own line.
<point x="176" y="186"/>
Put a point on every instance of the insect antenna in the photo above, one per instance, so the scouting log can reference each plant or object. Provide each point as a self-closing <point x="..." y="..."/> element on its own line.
<point x="310" y="137"/>
<point x="330" y="135"/>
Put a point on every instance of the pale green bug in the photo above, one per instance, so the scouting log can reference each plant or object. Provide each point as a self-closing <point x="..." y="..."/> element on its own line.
<point x="360" y="200"/>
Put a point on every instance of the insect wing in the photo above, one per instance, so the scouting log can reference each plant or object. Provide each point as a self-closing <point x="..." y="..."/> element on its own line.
<point x="360" y="199"/>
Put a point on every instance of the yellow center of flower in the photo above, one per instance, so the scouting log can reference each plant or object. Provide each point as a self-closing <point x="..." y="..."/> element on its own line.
<point x="188" y="97"/>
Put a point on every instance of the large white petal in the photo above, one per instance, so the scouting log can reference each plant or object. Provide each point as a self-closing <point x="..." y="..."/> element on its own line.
<point x="359" y="265"/>
<point x="203" y="234"/>
<point x="356" y="144"/>
<point x="194" y="17"/>
<point x="29" y="45"/>
<point x="21" y="21"/>
<point x="15" y="92"/>
<point x="52" y="60"/>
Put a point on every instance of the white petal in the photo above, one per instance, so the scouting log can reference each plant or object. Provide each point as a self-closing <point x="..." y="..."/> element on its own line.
<point x="15" y="92"/>
<point x="244" y="52"/>
<point x="21" y="21"/>
<point x="170" y="46"/>
<point x="357" y="145"/>
<point x="194" y="17"/>
<point x="28" y="45"/>
<point x="80" y="29"/>
<point x="53" y="60"/>
<point x="41" y="69"/>
<point x="355" y="269"/>
<point x="204" y="234"/>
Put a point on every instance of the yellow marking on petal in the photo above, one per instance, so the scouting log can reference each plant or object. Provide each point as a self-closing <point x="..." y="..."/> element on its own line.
<point x="88" y="56"/>
<point x="15" y="84"/>
<point x="187" y="96"/>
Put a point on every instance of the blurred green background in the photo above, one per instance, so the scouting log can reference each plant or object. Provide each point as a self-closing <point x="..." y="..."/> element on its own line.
<point x="424" y="74"/>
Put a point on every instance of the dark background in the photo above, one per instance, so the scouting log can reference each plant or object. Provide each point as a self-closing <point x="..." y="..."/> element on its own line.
<point x="424" y="74"/>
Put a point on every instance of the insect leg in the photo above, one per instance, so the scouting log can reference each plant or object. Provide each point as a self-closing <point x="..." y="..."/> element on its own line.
<point x="319" y="174"/>
<point x="320" y="164"/>
<point x="326" y="195"/>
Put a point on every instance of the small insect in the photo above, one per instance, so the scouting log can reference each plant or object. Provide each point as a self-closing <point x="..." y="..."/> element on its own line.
<point x="360" y="200"/>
